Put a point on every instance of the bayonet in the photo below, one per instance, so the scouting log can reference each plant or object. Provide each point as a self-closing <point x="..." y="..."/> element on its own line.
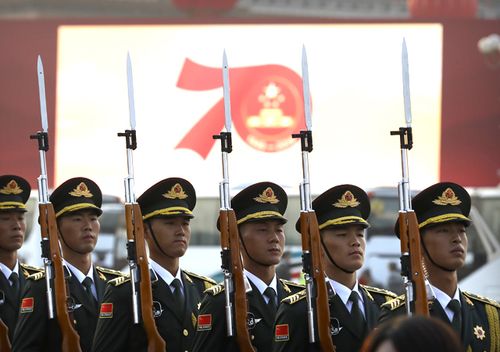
<point x="226" y="92"/>
<point x="41" y="93"/>
<point x="130" y="85"/>
<point x="305" y="89"/>
<point x="406" y="84"/>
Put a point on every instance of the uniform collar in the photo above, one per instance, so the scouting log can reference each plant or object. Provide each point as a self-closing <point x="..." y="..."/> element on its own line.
<point x="6" y="271"/>
<point x="164" y="273"/>
<point x="261" y="285"/>
<point x="444" y="299"/>
<point x="79" y="275"/>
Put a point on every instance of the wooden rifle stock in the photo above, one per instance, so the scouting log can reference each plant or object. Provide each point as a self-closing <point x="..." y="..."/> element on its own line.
<point x="70" y="338"/>
<point x="4" y="337"/>
<point x="311" y="243"/>
<point x="230" y="239"/>
<point x="135" y="232"/>
<point x="410" y="243"/>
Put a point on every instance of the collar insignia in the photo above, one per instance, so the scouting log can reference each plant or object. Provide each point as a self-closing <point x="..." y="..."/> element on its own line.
<point x="479" y="332"/>
<point x="11" y="188"/>
<point x="176" y="192"/>
<point x="448" y="197"/>
<point x="347" y="200"/>
<point x="81" y="191"/>
<point x="267" y="196"/>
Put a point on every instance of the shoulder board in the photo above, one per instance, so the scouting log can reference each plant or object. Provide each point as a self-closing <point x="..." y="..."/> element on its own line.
<point x="379" y="291"/>
<point x="481" y="299"/>
<point x="215" y="290"/>
<point x="31" y="267"/>
<point x="36" y="276"/>
<point x="294" y="298"/>
<point x="119" y="280"/>
<point x="109" y="271"/>
<point x="394" y="303"/>
<point x="204" y="278"/>
<point x="287" y="283"/>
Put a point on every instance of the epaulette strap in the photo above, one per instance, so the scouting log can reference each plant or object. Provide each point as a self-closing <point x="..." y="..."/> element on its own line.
<point x="204" y="278"/>
<point x="395" y="302"/>
<point x="36" y="276"/>
<point x="481" y="299"/>
<point x="380" y="291"/>
<point x="31" y="267"/>
<point x="295" y="297"/>
<point x="215" y="290"/>
<point x="494" y="323"/>
<point x="109" y="271"/>
<point x="119" y="280"/>
<point x="292" y="283"/>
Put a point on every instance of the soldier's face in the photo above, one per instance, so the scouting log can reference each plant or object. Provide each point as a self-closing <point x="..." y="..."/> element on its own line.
<point x="446" y="244"/>
<point x="264" y="241"/>
<point x="79" y="231"/>
<point x="172" y="234"/>
<point x="346" y="246"/>
<point x="12" y="229"/>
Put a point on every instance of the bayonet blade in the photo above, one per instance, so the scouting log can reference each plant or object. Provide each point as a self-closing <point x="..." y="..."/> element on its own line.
<point x="41" y="92"/>
<point x="226" y="92"/>
<point x="305" y="89"/>
<point x="130" y="84"/>
<point x="406" y="84"/>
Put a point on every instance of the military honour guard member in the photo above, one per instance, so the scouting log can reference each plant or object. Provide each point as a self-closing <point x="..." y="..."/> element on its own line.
<point x="354" y="308"/>
<point x="77" y="206"/>
<point x="442" y="212"/>
<point x="14" y="193"/>
<point x="259" y="211"/>
<point x="167" y="211"/>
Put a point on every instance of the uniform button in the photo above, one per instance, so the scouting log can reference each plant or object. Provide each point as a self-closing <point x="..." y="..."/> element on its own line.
<point x="253" y="337"/>
<point x="185" y="332"/>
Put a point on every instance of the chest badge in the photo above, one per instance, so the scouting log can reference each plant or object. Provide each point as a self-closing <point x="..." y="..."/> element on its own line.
<point x="335" y="326"/>
<point x="479" y="332"/>
<point x="157" y="309"/>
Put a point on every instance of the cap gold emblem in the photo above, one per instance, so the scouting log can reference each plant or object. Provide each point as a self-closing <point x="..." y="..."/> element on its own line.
<point x="81" y="191"/>
<point x="11" y="188"/>
<point x="267" y="196"/>
<point x="176" y="192"/>
<point x="448" y="197"/>
<point x="347" y="200"/>
<point x="479" y="332"/>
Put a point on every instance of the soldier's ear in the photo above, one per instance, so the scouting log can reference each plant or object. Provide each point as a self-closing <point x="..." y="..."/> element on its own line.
<point x="147" y="231"/>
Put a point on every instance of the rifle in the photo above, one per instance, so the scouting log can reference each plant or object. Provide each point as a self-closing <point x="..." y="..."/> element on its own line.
<point x="318" y="310"/>
<point x="4" y="337"/>
<point x="55" y="277"/>
<point x="136" y="249"/>
<point x="412" y="269"/>
<point x="232" y="266"/>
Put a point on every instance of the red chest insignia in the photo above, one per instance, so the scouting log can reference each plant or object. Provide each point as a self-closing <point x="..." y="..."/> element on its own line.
<point x="106" y="310"/>
<point x="281" y="332"/>
<point x="204" y="322"/>
<point x="27" y="305"/>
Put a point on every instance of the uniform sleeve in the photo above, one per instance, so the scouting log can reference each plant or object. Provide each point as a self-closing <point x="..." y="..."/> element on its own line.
<point x="210" y="334"/>
<point x="31" y="333"/>
<point x="114" y="321"/>
<point x="290" y="329"/>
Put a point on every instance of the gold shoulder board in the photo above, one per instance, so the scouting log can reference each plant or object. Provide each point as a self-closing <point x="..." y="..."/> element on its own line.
<point x="119" y="280"/>
<point x="215" y="290"/>
<point x="481" y="299"/>
<point x="380" y="291"/>
<point x="204" y="278"/>
<point x="36" y="276"/>
<point x="109" y="271"/>
<point x="395" y="302"/>
<point x="295" y="297"/>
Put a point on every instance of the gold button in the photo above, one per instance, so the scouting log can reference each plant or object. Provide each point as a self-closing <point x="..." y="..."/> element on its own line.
<point x="253" y="337"/>
<point x="185" y="332"/>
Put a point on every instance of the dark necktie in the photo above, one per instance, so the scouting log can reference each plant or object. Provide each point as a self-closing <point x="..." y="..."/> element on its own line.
<point x="87" y="284"/>
<point x="178" y="295"/>
<point x="271" y="294"/>
<point x="456" y="323"/>
<point x="356" y="315"/>
<point x="14" y="278"/>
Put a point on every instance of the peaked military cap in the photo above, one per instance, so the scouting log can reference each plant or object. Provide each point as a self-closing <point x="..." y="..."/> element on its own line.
<point x="441" y="203"/>
<point x="170" y="197"/>
<point x="341" y="205"/>
<point x="76" y="194"/>
<point x="260" y="202"/>
<point x="14" y="193"/>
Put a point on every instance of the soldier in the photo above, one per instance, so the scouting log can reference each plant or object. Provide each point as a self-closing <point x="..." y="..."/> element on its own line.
<point x="14" y="193"/>
<point x="259" y="211"/>
<point x="354" y="308"/>
<point x="442" y="212"/>
<point x="77" y="206"/>
<point x="167" y="210"/>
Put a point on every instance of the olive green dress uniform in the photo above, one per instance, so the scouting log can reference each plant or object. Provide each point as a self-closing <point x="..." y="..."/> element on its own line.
<point x="9" y="300"/>
<point x="480" y="331"/>
<point x="291" y="327"/>
<point x="480" y="319"/>
<point x="14" y="193"/>
<point x="117" y="332"/>
<point x="338" y="207"/>
<point x="34" y="330"/>
<point x="260" y="319"/>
